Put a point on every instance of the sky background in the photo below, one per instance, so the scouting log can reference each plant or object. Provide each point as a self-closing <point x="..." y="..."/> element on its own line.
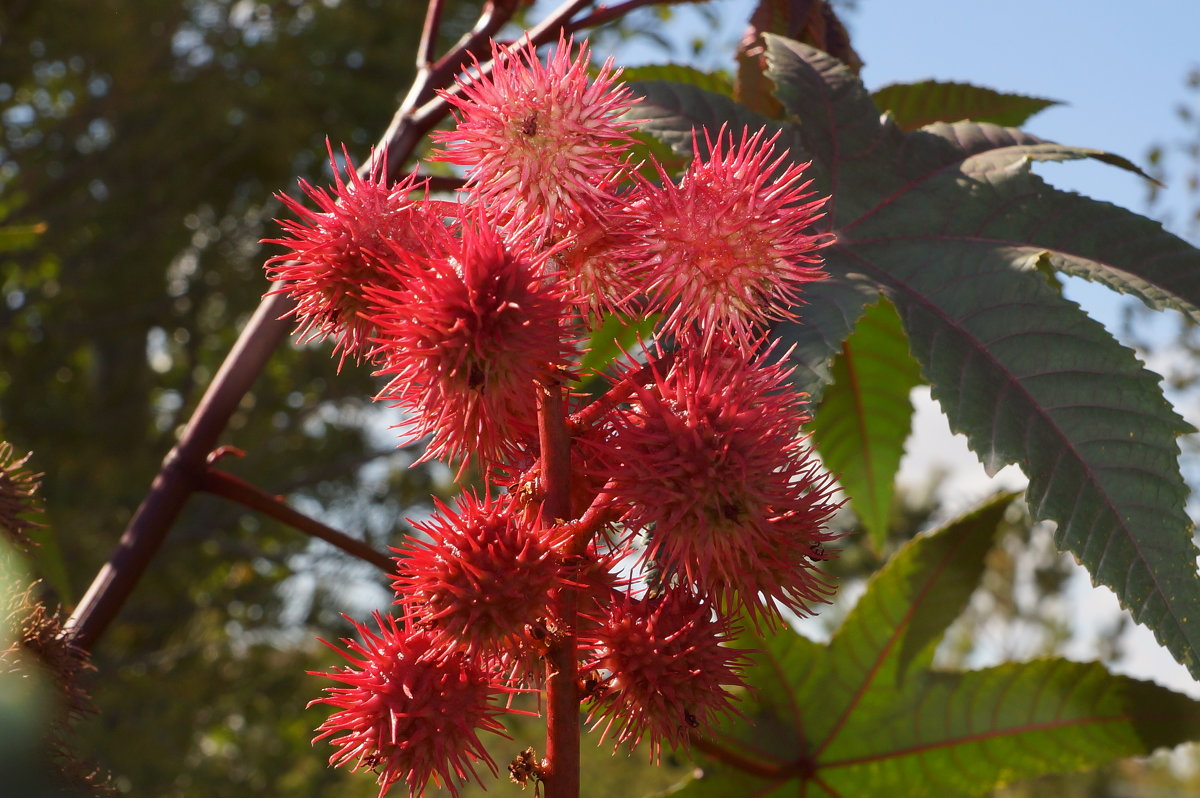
<point x="1119" y="73"/>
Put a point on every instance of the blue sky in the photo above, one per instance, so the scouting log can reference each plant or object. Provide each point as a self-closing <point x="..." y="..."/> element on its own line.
<point x="1118" y="72"/>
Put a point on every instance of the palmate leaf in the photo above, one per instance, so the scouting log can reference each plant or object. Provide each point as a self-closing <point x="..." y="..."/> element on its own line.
<point x="715" y="82"/>
<point x="867" y="715"/>
<point x="951" y="224"/>
<point x="914" y="105"/>
<point x="865" y="416"/>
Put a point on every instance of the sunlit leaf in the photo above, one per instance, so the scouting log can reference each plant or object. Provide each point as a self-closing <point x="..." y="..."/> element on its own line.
<point x="868" y="715"/>
<point x="950" y="223"/>
<point x="915" y="105"/>
<point x="865" y="416"/>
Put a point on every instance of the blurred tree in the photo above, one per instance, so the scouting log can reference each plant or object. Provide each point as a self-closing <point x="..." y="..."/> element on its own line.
<point x="148" y="138"/>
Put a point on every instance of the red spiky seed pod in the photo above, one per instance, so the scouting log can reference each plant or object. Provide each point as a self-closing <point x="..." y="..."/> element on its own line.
<point x="466" y="340"/>
<point x="729" y="248"/>
<point x="485" y="572"/>
<point x="596" y="263"/>
<point x="335" y="252"/>
<point x="542" y="142"/>
<point x="19" y="502"/>
<point x="707" y="460"/>
<point x="411" y="712"/>
<point x="669" y="670"/>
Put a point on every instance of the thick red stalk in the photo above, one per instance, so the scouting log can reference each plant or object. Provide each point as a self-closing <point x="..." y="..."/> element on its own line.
<point x="562" y="679"/>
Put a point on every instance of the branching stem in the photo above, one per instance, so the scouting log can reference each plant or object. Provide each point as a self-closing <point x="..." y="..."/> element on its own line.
<point x="654" y="368"/>
<point x="235" y="489"/>
<point x="562" y="682"/>
<point x="606" y="14"/>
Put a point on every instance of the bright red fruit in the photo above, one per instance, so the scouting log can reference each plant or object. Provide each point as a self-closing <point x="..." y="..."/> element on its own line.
<point x="707" y="461"/>
<point x="542" y="142"/>
<point x="467" y="338"/>
<point x="670" y="670"/>
<point x="729" y="247"/>
<point x="335" y="252"/>
<point x="486" y="572"/>
<point x="411" y="712"/>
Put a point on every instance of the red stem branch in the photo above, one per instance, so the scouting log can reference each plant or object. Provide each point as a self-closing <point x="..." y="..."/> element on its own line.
<point x="606" y="14"/>
<point x="181" y="473"/>
<point x="622" y="390"/>
<point x="598" y="515"/>
<point x="238" y="490"/>
<point x="755" y="767"/>
<point x="562" y="680"/>
<point x="429" y="33"/>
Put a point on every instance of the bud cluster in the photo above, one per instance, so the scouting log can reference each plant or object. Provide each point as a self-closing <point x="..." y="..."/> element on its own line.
<point x="693" y="500"/>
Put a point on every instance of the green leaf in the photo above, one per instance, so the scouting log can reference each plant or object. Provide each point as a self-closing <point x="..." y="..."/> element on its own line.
<point x="896" y="625"/>
<point x="950" y="223"/>
<point x="613" y="336"/>
<point x="832" y="308"/>
<point x="866" y="415"/>
<point x="963" y="733"/>
<point x="715" y="82"/>
<point x="1031" y="379"/>
<point x="914" y="105"/>
<point x="867" y="715"/>
<point x="671" y="112"/>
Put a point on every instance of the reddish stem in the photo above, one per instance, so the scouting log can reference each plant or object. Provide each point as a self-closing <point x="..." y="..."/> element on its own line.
<point x="238" y="490"/>
<point x="755" y="767"/>
<point x="182" y="471"/>
<point x="562" y="679"/>
<point x="433" y="21"/>
<point x="653" y="369"/>
<point x="598" y="515"/>
<point x="606" y="14"/>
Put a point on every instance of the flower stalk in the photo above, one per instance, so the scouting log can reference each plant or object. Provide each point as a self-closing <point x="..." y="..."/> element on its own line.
<point x="562" y="672"/>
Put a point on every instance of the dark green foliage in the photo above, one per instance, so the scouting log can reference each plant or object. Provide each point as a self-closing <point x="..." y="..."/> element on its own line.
<point x="951" y="225"/>
<point x="914" y="105"/>
<point x="868" y="715"/>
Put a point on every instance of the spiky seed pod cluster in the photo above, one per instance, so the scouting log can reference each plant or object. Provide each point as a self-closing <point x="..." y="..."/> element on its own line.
<point x="690" y="498"/>
<point x="706" y="461"/>
<point x="411" y="711"/>
<point x="670" y="669"/>
<point x="37" y="647"/>
<point x="481" y="575"/>
<point x="19" y="502"/>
